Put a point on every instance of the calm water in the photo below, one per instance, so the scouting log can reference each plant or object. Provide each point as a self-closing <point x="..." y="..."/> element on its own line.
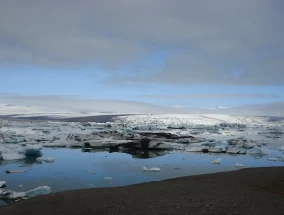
<point x="71" y="168"/>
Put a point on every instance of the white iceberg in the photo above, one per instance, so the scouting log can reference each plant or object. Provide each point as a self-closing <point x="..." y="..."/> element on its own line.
<point x="12" y="156"/>
<point x="107" y="178"/>
<point x="275" y="159"/>
<point x="257" y="151"/>
<point x="153" y="169"/>
<point x="217" y="161"/>
<point x="47" y="160"/>
<point x="2" y="183"/>
<point x="239" y="165"/>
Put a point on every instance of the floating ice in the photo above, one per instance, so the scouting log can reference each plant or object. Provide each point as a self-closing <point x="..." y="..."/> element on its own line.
<point x="281" y="148"/>
<point x="217" y="161"/>
<point x="47" y="160"/>
<point x="92" y="172"/>
<point x="197" y="149"/>
<point x="32" y="150"/>
<point x="153" y="169"/>
<point x="12" y="156"/>
<point x="15" y="171"/>
<point x="2" y="183"/>
<point x="275" y="159"/>
<point x="107" y="178"/>
<point x="257" y="151"/>
<point x="239" y="165"/>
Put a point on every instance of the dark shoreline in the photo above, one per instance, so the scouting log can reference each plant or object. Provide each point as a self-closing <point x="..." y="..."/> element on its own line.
<point x="247" y="191"/>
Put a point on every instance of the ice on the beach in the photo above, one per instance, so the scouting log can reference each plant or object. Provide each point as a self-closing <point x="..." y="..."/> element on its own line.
<point x="2" y="183"/>
<point x="239" y="165"/>
<point x="10" y="194"/>
<point x="217" y="161"/>
<point x="153" y="169"/>
<point x="39" y="191"/>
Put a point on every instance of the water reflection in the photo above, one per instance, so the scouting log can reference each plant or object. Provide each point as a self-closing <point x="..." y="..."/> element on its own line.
<point x="27" y="162"/>
<point x="136" y="153"/>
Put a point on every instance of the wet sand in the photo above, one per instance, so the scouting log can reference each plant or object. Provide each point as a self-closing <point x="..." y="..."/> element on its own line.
<point x="248" y="191"/>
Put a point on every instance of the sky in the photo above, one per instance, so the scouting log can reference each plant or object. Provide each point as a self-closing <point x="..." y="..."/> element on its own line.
<point x="150" y="53"/>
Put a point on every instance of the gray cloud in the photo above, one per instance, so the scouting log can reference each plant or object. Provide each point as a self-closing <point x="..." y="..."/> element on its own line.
<point x="234" y="42"/>
<point x="206" y="96"/>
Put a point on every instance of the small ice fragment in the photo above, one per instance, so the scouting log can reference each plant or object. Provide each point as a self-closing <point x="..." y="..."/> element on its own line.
<point x="239" y="165"/>
<point x="21" y="166"/>
<point x="107" y="178"/>
<point x="275" y="159"/>
<point x="15" y="171"/>
<point x="217" y="161"/>
<point x="154" y="169"/>
<point x="40" y="159"/>
<point x="20" y="185"/>
<point x="2" y="183"/>
<point x="48" y="160"/>
<point x="92" y="172"/>
<point x="281" y="148"/>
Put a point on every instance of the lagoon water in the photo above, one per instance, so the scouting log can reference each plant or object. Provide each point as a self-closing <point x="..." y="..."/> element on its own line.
<point x="72" y="168"/>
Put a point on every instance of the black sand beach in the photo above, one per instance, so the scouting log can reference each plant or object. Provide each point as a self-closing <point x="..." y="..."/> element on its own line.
<point x="248" y="191"/>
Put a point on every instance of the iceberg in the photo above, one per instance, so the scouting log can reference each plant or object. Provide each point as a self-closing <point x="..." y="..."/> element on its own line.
<point x="257" y="151"/>
<point x="12" y="156"/>
<point x="153" y="169"/>
<point x="39" y="191"/>
<point x="47" y="160"/>
<point x="281" y="148"/>
<point x="239" y="165"/>
<point x="275" y="159"/>
<point x="2" y="183"/>
<point x="32" y="150"/>
<point x="217" y="161"/>
<point x="107" y="178"/>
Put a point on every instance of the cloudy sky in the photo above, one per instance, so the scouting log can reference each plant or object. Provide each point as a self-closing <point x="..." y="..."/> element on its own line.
<point x="189" y="53"/>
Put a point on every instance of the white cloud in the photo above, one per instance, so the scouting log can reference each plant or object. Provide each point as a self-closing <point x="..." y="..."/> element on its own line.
<point x="206" y="41"/>
<point x="16" y="104"/>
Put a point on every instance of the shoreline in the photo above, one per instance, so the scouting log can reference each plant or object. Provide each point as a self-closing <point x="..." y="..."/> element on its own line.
<point x="245" y="191"/>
